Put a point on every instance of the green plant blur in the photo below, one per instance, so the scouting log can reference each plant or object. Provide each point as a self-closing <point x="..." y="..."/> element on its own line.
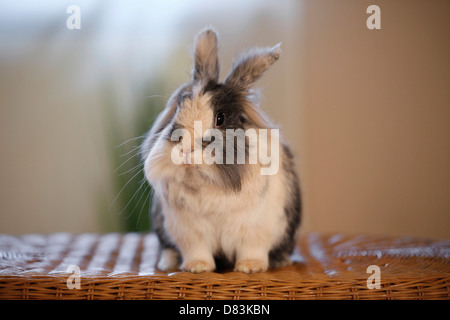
<point x="132" y="201"/>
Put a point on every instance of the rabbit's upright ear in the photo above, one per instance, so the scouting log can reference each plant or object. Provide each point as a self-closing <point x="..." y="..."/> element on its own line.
<point x="206" y="62"/>
<point x="251" y="65"/>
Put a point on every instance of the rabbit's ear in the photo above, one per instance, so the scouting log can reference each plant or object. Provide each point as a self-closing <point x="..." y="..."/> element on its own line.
<point x="251" y="65"/>
<point x="206" y="62"/>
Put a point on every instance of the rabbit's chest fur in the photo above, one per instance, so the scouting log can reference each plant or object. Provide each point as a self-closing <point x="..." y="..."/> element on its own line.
<point x="222" y="218"/>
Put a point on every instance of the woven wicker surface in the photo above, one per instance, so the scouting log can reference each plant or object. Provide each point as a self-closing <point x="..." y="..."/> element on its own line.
<point x="122" y="266"/>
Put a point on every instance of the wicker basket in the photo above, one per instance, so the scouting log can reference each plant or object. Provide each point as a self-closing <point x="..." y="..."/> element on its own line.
<point x="122" y="266"/>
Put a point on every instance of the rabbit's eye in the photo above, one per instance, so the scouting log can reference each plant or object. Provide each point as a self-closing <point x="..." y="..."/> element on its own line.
<point x="220" y="119"/>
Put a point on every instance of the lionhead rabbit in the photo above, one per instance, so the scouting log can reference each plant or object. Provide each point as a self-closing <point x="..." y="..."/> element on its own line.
<point x="210" y="203"/>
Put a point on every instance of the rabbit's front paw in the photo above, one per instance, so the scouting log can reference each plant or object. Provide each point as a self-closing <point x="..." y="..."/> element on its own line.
<point x="197" y="266"/>
<point x="169" y="260"/>
<point x="251" y="266"/>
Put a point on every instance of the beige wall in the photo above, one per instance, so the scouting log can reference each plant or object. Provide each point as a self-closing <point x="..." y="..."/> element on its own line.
<point x="367" y="111"/>
<point x="377" y="117"/>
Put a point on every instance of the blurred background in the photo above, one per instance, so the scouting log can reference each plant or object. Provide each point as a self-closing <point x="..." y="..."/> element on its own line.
<point x="367" y="111"/>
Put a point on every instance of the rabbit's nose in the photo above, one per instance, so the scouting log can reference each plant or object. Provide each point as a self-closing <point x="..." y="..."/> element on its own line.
<point x="188" y="146"/>
<point x="187" y="157"/>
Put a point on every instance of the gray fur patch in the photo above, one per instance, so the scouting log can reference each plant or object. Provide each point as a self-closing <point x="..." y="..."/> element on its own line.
<point x="292" y="210"/>
<point x="250" y="66"/>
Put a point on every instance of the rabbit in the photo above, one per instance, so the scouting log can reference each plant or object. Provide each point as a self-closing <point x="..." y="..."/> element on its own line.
<point x="206" y="214"/>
